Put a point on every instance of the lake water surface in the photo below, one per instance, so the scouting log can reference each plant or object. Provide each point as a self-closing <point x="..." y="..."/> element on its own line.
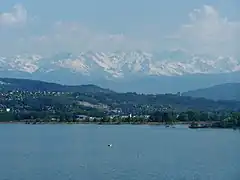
<point x="81" y="152"/>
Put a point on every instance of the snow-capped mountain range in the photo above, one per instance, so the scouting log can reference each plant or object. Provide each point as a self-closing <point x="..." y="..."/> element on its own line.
<point x="115" y="66"/>
<point x="121" y="64"/>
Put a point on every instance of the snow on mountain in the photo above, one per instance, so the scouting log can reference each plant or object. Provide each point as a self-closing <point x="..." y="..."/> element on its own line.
<point x="25" y="63"/>
<point x="122" y="64"/>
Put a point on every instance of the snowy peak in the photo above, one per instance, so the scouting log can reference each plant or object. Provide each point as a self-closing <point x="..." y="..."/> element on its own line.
<point x="122" y="64"/>
<point x="25" y="63"/>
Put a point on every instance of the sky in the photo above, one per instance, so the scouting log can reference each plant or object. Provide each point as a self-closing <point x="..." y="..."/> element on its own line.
<point x="48" y="27"/>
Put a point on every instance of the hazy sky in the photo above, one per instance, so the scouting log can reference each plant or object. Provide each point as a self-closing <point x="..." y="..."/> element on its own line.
<point x="50" y="26"/>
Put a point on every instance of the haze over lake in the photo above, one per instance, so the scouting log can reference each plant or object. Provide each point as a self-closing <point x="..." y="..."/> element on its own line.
<point x="37" y="152"/>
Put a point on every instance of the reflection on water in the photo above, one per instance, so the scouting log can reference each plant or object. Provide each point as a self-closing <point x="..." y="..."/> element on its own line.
<point x="138" y="152"/>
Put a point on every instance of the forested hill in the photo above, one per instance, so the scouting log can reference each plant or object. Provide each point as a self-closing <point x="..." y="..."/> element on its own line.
<point x="229" y="91"/>
<point x="37" y="95"/>
<point x="35" y="85"/>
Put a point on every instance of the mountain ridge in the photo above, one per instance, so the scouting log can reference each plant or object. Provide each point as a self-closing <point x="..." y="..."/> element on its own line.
<point x="123" y="69"/>
<point x="227" y="91"/>
<point x="37" y="85"/>
<point x="118" y="64"/>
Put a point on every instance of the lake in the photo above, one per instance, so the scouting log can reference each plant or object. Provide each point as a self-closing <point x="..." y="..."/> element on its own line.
<point x="138" y="152"/>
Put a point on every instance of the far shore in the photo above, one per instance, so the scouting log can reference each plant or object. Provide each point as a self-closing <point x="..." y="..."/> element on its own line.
<point x="170" y="125"/>
<point x="98" y="123"/>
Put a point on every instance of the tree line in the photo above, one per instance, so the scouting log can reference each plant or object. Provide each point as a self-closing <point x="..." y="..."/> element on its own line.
<point x="231" y="119"/>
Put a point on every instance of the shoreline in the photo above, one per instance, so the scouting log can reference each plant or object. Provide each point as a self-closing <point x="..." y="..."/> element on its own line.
<point x="97" y="123"/>
<point x="188" y="124"/>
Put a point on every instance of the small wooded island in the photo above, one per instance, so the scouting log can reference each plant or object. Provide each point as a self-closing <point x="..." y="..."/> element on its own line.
<point x="35" y="102"/>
